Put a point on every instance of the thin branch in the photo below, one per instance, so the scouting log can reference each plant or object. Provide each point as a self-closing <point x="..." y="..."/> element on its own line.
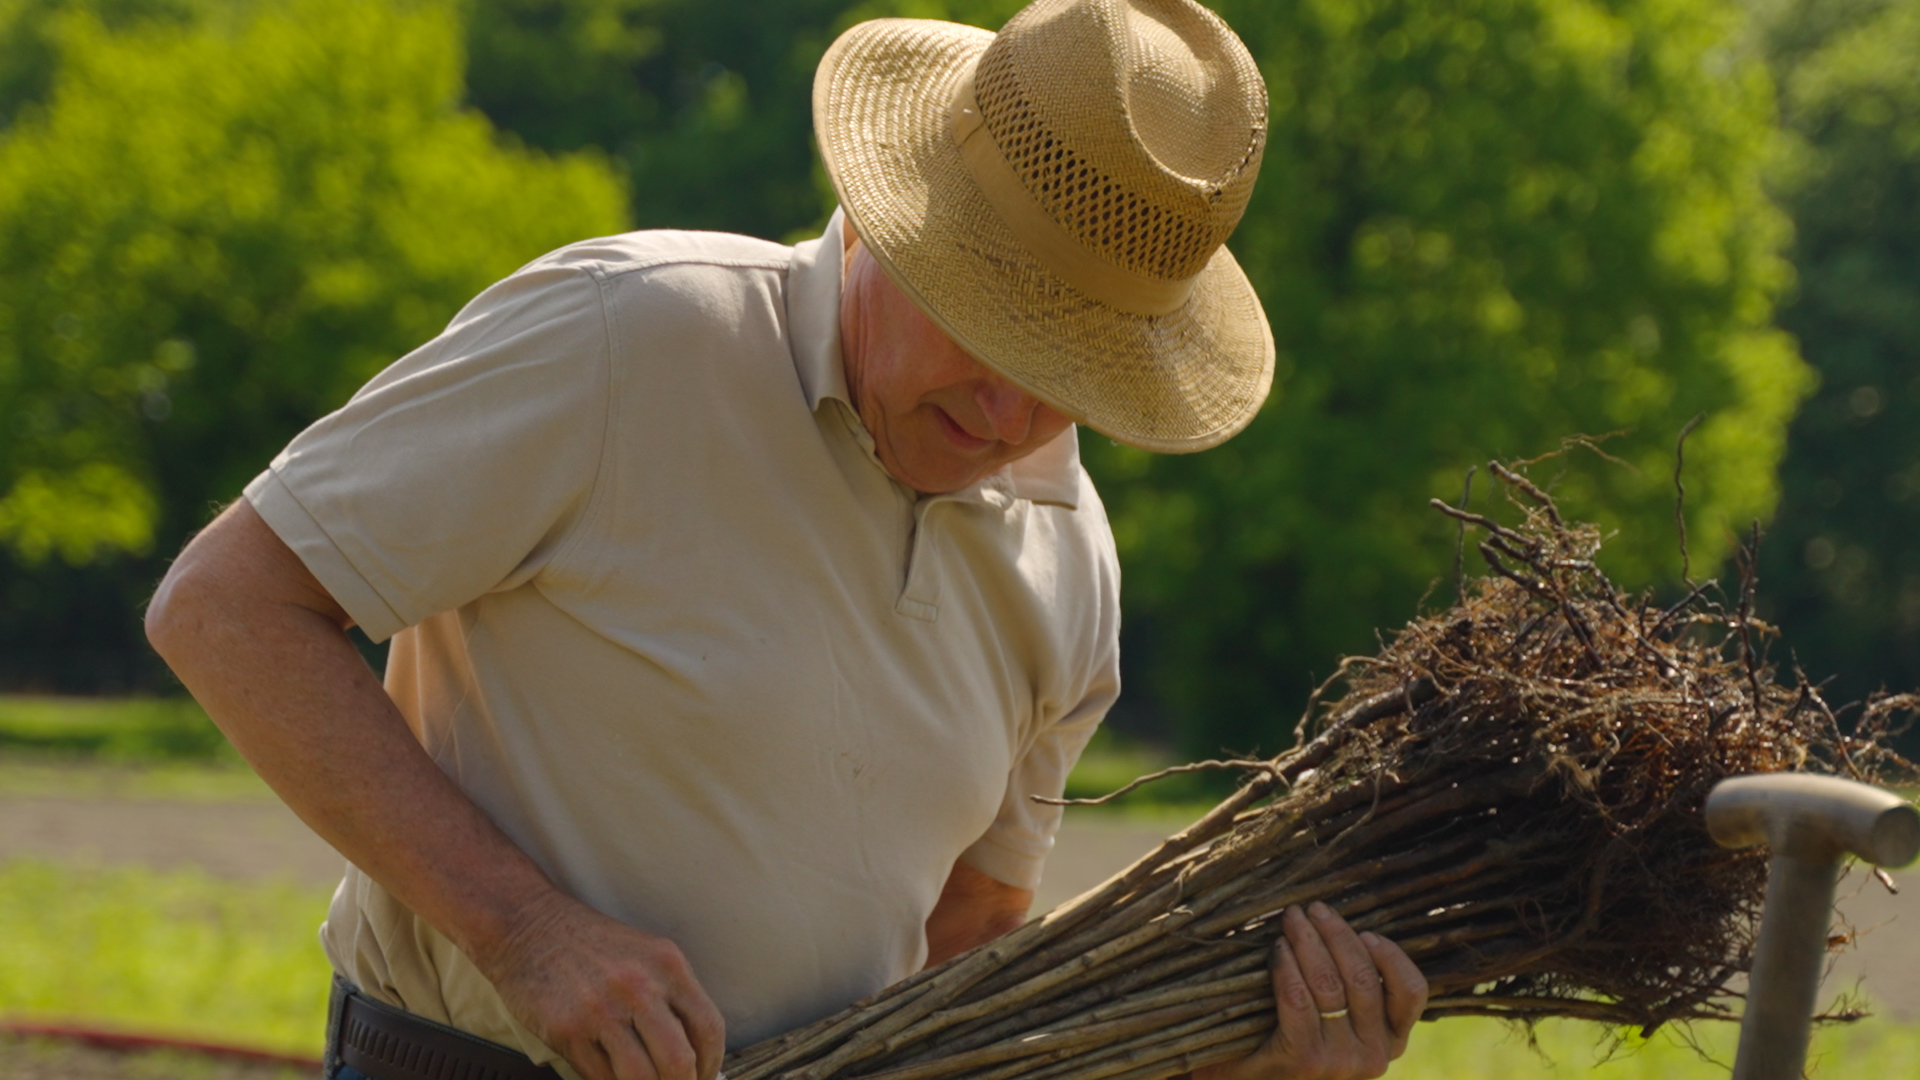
<point x="1680" y="496"/>
<point x="1481" y="520"/>
<point x="1541" y="498"/>
<point x="1460" y="544"/>
<point x="1750" y="581"/>
<point x="1568" y="442"/>
<point x="1172" y="770"/>
<point x="1685" y="604"/>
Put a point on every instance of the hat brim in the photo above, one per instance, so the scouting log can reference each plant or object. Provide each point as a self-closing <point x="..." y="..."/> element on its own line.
<point x="1172" y="383"/>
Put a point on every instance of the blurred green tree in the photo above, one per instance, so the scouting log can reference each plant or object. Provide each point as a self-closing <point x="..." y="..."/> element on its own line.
<point x="706" y="105"/>
<point x="213" y="227"/>
<point x="212" y="234"/>
<point x="1842" y="565"/>
<point x="30" y="29"/>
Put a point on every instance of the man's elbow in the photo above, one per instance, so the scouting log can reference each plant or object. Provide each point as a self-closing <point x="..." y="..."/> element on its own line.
<point x="170" y="615"/>
<point x="234" y="583"/>
<point x="197" y="585"/>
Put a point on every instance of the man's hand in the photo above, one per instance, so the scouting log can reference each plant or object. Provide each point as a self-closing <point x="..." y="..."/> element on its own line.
<point x="1346" y="1004"/>
<point x="617" y="1003"/>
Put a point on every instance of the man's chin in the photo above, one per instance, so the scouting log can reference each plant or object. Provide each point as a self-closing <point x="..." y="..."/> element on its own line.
<point x="937" y="488"/>
<point x="931" y="469"/>
<point x="938" y="478"/>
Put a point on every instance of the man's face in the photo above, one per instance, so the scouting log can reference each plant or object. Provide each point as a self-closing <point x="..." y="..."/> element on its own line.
<point x="939" y="418"/>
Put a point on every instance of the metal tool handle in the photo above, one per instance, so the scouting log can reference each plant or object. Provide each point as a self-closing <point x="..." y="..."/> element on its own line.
<point x="1814" y="817"/>
<point x="1811" y="822"/>
<point x="1787" y="965"/>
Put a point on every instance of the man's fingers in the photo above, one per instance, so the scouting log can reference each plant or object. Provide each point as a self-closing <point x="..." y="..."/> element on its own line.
<point x="1299" y="1015"/>
<point x="1324" y="981"/>
<point x="667" y="1043"/>
<point x="1406" y="988"/>
<point x="1357" y="970"/>
<point x="617" y="1003"/>
<point x="626" y="1056"/>
<point x="705" y="1028"/>
<point x="590" y="1058"/>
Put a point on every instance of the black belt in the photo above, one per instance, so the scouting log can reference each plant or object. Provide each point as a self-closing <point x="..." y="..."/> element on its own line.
<point x="387" y="1043"/>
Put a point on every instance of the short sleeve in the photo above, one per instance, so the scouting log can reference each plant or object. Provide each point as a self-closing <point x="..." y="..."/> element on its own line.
<point x="1015" y="848"/>
<point x="460" y="469"/>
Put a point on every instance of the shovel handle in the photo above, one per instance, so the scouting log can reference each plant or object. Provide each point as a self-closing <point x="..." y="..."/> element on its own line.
<point x="1811" y="823"/>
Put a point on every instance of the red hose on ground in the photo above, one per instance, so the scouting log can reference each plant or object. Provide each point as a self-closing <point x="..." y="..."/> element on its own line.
<point x="124" y="1041"/>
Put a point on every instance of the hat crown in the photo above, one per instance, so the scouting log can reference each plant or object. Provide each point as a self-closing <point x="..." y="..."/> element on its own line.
<point x="1136" y="125"/>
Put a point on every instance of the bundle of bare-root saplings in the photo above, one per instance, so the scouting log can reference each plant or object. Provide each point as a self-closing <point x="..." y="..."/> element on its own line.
<point x="1511" y="790"/>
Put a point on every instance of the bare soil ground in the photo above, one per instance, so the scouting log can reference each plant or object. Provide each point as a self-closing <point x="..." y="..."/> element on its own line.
<point x="242" y="840"/>
<point x="252" y="839"/>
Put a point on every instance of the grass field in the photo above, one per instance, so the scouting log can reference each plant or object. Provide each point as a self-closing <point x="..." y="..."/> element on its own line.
<point x="154" y="748"/>
<point x="185" y="954"/>
<point x="121" y="730"/>
<point x="180" y="953"/>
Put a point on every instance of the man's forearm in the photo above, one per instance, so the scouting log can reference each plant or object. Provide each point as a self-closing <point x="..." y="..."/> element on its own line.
<point x="263" y="646"/>
<point x="264" y="649"/>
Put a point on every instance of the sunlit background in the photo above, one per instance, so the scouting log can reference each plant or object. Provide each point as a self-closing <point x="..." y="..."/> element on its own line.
<point x="1482" y="227"/>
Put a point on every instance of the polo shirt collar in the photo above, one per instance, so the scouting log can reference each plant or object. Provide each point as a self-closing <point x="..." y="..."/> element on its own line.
<point x="1050" y="474"/>
<point x="813" y="313"/>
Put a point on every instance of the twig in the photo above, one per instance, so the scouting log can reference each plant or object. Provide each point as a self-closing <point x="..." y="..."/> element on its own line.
<point x="1471" y="518"/>
<point x="1460" y="544"/>
<point x="1532" y="585"/>
<point x="1319" y="691"/>
<point x="1750" y="581"/>
<point x="1685" y="604"/>
<point x="1540" y="498"/>
<point x="1051" y="1042"/>
<point x="1172" y="770"/>
<point x="1680" y="496"/>
<point x="1588" y="442"/>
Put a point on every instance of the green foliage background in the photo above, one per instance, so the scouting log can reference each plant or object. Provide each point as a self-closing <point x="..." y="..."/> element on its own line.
<point x="211" y="235"/>
<point x="1482" y="226"/>
<point x="1843" y="564"/>
<point x="216" y="221"/>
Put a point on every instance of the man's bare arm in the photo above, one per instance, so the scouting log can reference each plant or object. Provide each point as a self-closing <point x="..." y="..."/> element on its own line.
<point x="973" y="909"/>
<point x="263" y="646"/>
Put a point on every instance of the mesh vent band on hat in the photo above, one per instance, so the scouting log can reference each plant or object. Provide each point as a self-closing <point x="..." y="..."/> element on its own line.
<point x="1118" y="220"/>
<point x="1059" y="250"/>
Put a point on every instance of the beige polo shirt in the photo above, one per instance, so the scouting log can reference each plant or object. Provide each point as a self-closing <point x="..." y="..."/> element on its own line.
<point x="659" y="610"/>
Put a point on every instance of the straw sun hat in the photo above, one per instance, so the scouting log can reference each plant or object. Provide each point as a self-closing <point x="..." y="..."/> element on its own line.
<point x="1056" y="196"/>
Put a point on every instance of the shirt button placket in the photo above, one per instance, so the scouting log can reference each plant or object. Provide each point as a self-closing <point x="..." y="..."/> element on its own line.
<point x="920" y="599"/>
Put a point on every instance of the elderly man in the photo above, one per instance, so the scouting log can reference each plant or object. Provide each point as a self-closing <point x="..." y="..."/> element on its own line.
<point x="741" y="596"/>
